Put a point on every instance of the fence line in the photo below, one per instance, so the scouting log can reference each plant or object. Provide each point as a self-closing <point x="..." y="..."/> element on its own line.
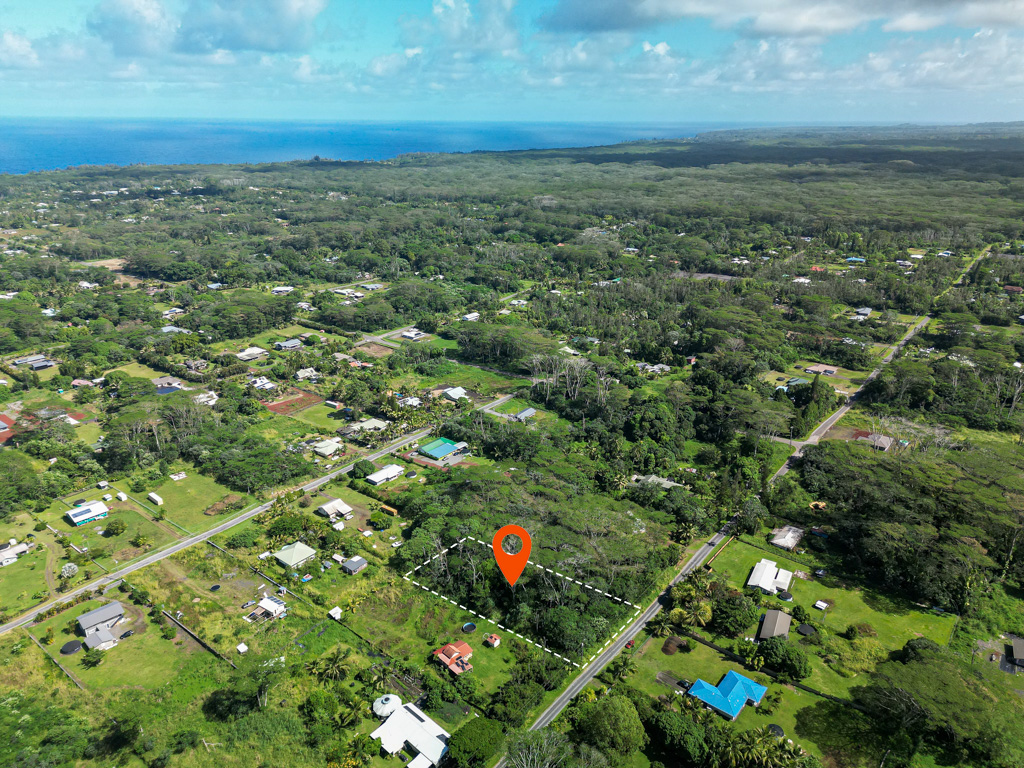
<point x="59" y="665"/>
<point x="199" y="640"/>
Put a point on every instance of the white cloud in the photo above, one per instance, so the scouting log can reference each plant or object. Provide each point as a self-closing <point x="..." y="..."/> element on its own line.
<point x="249" y="25"/>
<point x="134" y="27"/>
<point x="785" y="17"/>
<point x="661" y="49"/>
<point x="16" y="52"/>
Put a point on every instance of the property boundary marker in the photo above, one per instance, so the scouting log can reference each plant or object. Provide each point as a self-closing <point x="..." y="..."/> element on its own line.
<point x="512" y="632"/>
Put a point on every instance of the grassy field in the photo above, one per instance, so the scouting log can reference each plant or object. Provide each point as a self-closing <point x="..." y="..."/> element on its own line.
<point x="283" y="429"/>
<point x="486" y="383"/>
<point x="894" y="621"/>
<point x="23" y="583"/>
<point x="325" y="418"/>
<point x="138" y="370"/>
<point x="185" y="501"/>
<point x="144" y="660"/>
<point x="116" y="550"/>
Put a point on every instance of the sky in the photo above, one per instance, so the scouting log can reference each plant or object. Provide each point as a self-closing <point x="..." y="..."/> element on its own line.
<point x="657" y="61"/>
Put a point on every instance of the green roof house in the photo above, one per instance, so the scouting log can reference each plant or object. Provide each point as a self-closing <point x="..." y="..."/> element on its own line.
<point x="295" y="555"/>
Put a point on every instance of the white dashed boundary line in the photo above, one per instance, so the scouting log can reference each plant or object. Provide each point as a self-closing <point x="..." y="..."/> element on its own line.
<point x="505" y="629"/>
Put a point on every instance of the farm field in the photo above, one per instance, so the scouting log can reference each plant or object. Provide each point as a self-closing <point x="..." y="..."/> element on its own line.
<point x="475" y="380"/>
<point x="325" y="418"/>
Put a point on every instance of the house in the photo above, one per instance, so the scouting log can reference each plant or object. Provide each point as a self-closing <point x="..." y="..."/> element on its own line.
<point x="76" y="383"/>
<point x="796" y="381"/>
<point x="306" y="374"/>
<point x="455" y="656"/>
<point x="249" y="354"/>
<point x="518" y="303"/>
<point x="864" y="312"/>
<point x="162" y="382"/>
<point x="335" y="613"/>
<point x="215" y="286"/>
<point x="334" y="508"/>
<point x="86" y="285"/>
<point x="856" y="260"/>
<point x="267" y="609"/>
<point x="410" y="402"/>
<point x="825" y="370"/>
<point x="413" y="334"/>
<point x="729" y="697"/>
<point x="155" y="499"/>
<point x="172" y="312"/>
<point x="294" y="555"/>
<point x="354" y="565"/>
<point x="263" y="383"/>
<point x="288" y="345"/>
<point x="206" y="398"/>
<point x="1013" y="289"/>
<point x="367" y="425"/>
<point x="304" y="305"/>
<point x="48" y="312"/>
<point x="470" y="317"/>
<point x="327" y="448"/>
<point x="525" y="414"/>
<point x="101" y="640"/>
<point x="1017" y="645"/>
<point x="439" y="448"/>
<point x="196" y="365"/>
<point x="86" y="513"/>
<point x="455" y="394"/>
<point x="876" y="441"/>
<point x="371" y="286"/>
<point x="802" y="280"/>
<point x="775" y="624"/>
<point x="654" y="479"/>
<point x="407" y="728"/>
<point x="42" y="364"/>
<point x="10" y="551"/>
<point x="173" y="329"/>
<point x="282" y="290"/>
<point x="101" y="619"/>
<point x="656" y="369"/>
<point x="385" y="475"/>
<point x="29" y="360"/>
<point x="769" y="578"/>
<point x="492" y="641"/>
<point x="787" y="537"/>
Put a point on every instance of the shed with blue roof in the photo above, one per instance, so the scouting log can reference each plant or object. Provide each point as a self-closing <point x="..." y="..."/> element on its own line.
<point x="729" y="697"/>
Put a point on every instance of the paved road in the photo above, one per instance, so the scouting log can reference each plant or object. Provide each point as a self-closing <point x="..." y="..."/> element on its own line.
<point x="177" y="546"/>
<point x="593" y="668"/>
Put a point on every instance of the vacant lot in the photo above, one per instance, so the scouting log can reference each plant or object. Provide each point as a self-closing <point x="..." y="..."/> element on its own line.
<point x="186" y="501"/>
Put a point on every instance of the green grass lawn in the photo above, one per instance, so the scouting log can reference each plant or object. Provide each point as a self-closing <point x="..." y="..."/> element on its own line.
<point x="185" y="501"/>
<point x="895" y="621"/>
<point x="283" y="429"/>
<point x="145" y="660"/>
<point x="117" y="550"/>
<point x="89" y="433"/>
<point x="138" y="370"/>
<point x="23" y="583"/>
<point x="707" y="664"/>
<point x="487" y="383"/>
<point x="326" y="419"/>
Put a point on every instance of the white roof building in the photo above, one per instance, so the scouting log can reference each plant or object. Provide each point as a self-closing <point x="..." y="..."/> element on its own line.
<point x="327" y="447"/>
<point x="788" y="537"/>
<point x="282" y="290"/>
<point x="386" y="474"/>
<point x="769" y="577"/>
<point x="408" y="726"/>
<point x="456" y="394"/>
<point x="333" y="508"/>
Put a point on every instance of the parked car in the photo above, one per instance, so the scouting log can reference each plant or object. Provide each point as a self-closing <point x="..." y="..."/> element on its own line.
<point x="129" y="633"/>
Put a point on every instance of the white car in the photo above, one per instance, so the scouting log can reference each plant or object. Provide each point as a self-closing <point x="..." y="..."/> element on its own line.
<point x="349" y="516"/>
<point x="367" y="534"/>
<point x="396" y="545"/>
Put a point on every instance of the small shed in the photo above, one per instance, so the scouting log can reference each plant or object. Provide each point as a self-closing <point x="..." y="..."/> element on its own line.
<point x="155" y="499"/>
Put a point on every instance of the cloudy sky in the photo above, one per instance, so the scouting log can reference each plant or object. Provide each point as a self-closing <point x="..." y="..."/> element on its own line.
<point x="839" y="61"/>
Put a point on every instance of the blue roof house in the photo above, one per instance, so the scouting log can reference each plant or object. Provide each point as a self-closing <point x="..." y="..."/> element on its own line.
<point x="730" y="696"/>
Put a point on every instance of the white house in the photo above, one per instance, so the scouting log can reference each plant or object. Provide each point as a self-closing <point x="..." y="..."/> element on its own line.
<point x="387" y="474"/>
<point x="456" y="393"/>
<point x="769" y="578"/>
<point x="407" y="727"/>
<point x="10" y="551"/>
<point x="287" y="345"/>
<point x="251" y="353"/>
<point x="206" y="398"/>
<point x="334" y="508"/>
<point x="307" y="374"/>
<point x="327" y="448"/>
<point x="282" y="290"/>
<point x="413" y="334"/>
<point x="471" y="317"/>
<point x="86" y="513"/>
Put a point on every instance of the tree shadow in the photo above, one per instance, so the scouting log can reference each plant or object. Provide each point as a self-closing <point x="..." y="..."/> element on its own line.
<point x="888" y="604"/>
<point x="844" y="734"/>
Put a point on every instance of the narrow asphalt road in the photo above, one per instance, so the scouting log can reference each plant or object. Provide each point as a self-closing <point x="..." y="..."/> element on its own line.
<point x="601" y="660"/>
<point x="177" y="546"/>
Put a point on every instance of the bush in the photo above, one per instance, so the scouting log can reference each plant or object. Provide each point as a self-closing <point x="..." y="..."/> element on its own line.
<point x="243" y="539"/>
<point x="363" y="468"/>
<point x="306" y="501"/>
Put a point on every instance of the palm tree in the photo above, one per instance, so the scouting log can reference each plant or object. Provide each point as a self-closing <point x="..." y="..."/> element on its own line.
<point x="754" y="747"/>
<point x="698" y="614"/>
<point x="379" y="678"/>
<point x="335" y="665"/>
<point x="660" y="625"/>
<point x="360" y="749"/>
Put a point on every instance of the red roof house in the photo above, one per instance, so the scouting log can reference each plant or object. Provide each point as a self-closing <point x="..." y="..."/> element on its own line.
<point x="455" y="656"/>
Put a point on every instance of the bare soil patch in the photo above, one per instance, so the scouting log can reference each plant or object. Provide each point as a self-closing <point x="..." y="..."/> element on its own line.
<point x="376" y="350"/>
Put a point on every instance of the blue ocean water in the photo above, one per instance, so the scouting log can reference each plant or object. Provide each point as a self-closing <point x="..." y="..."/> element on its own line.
<point x="45" y="144"/>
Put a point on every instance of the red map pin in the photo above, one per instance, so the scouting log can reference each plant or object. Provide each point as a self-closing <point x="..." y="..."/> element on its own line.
<point x="511" y="565"/>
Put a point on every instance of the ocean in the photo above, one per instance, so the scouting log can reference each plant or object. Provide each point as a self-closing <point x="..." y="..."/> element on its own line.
<point x="45" y="144"/>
